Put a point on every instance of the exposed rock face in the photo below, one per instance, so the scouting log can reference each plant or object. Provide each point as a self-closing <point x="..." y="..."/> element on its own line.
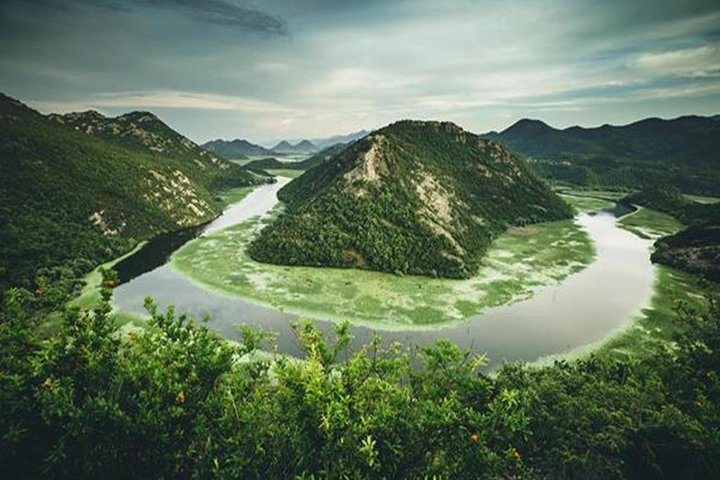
<point x="413" y="197"/>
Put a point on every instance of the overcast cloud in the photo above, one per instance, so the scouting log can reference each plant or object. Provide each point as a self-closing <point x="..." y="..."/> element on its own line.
<point x="310" y="68"/>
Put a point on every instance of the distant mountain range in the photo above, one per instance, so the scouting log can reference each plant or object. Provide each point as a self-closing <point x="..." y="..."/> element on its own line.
<point x="285" y="147"/>
<point x="323" y="143"/>
<point x="414" y="198"/>
<point x="682" y="152"/>
<point x="85" y="186"/>
<point x="238" y="148"/>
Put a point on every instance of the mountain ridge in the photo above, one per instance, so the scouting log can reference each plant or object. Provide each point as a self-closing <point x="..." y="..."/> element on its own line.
<point x="647" y="152"/>
<point x="71" y="190"/>
<point x="237" y="148"/>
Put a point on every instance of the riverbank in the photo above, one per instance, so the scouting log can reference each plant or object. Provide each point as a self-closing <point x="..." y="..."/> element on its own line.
<point x="90" y="293"/>
<point x="228" y="278"/>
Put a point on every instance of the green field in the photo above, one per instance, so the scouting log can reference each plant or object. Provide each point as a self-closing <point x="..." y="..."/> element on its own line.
<point x="285" y="173"/>
<point x="647" y="223"/>
<point x="701" y="199"/>
<point x="90" y="294"/>
<point x="234" y="195"/>
<point x="587" y="204"/>
<point x="520" y="260"/>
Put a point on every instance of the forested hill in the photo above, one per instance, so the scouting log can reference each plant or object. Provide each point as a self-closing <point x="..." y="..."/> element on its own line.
<point x="682" y="152"/>
<point x="310" y="162"/>
<point x="235" y="148"/>
<point x="695" y="249"/>
<point x="81" y="188"/>
<point x="146" y="133"/>
<point x="413" y="197"/>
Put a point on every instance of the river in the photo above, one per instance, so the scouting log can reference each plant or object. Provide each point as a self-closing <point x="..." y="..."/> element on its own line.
<point x="583" y="309"/>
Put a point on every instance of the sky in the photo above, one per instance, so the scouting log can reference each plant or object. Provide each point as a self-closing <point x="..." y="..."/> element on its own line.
<point x="273" y="69"/>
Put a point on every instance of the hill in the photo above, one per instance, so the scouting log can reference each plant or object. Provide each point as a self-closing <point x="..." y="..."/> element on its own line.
<point x="235" y="148"/>
<point x="82" y="188"/>
<point x="414" y="197"/>
<point x="323" y="143"/>
<point x="310" y="162"/>
<point x="305" y="146"/>
<point x="696" y="249"/>
<point x="268" y="163"/>
<point x="680" y="152"/>
<point x="285" y="147"/>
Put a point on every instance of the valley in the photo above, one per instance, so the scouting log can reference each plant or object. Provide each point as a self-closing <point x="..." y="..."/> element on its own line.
<point x="420" y="249"/>
<point x="315" y="239"/>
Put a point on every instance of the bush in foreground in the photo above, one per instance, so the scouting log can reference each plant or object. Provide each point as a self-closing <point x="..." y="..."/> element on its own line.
<point x="176" y="401"/>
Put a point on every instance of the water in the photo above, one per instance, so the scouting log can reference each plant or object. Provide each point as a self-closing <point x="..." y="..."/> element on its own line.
<point x="585" y="308"/>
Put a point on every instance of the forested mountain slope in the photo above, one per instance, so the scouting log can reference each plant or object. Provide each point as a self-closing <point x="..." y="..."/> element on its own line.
<point x="83" y="188"/>
<point x="146" y="133"/>
<point x="681" y="152"/>
<point x="413" y="197"/>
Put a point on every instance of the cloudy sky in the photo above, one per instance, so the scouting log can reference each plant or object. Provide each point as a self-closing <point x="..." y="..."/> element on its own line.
<point x="270" y="69"/>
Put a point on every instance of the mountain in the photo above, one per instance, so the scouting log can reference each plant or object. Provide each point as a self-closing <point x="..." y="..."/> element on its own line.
<point x="141" y="130"/>
<point x="414" y="197"/>
<point x="306" y="146"/>
<point x="323" y="143"/>
<point x="84" y="188"/>
<point x="285" y="147"/>
<point x="235" y="148"/>
<point x="147" y="134"/>
<point x="681" y="152"/>
<point x="317" y="159"/>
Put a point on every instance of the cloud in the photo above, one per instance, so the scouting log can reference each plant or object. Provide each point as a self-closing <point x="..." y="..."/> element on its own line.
<point x="693" y="62"/>
<point x="223" y="12"/>
<point x="361" y="64"/>
<point x="166" y="99"/>
<point x="219" y="12"/>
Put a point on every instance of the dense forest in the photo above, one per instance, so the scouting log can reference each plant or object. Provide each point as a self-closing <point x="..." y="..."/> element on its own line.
<point x="680" y="152"/>
<point x="175" y="401"/>
<point x="80" y="189"/>
<point x="414" y="198"/>
<point x="695" y="249"/>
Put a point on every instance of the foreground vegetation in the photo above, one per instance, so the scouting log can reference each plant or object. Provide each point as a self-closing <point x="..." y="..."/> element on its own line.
<point x="175" y="401"/>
